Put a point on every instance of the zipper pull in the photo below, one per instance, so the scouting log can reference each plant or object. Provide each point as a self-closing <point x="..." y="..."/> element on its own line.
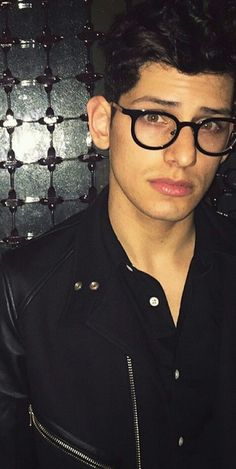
<point x="31" y="415"/>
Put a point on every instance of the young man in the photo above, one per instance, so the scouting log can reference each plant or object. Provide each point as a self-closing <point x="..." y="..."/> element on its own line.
<point x="118" y="328"/>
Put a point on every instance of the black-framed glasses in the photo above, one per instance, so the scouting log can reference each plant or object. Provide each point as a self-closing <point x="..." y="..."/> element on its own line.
<point x="156" y="130"/>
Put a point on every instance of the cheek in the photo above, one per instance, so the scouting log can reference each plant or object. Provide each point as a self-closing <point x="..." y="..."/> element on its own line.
<point x="124" y="153"/>
<point x="119" y="134"/>
<point x="208" y="170"/>
<point x="213" y="166"/>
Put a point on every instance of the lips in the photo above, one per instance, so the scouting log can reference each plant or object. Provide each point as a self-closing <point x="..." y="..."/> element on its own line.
<point x="171" y="187"/>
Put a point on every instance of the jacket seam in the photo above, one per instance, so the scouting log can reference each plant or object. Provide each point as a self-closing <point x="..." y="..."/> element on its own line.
<point x="36" y="287"/>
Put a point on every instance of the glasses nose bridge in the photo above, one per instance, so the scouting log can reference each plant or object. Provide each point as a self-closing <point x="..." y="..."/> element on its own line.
<point x="190" y="124"/>
<point x="185" y="153"/>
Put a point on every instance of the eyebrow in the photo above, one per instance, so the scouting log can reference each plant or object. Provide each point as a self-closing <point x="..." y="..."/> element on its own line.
<point x="224" y="110"/>
<point x="152" y="99"/>
<point x="174" y="104"/>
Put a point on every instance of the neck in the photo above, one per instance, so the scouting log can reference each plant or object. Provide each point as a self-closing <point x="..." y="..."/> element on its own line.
<point x="148" y="241"/>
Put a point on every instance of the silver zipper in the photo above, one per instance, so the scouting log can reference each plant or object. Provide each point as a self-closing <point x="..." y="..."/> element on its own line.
<point x="135" y="413"/>
<point x="67" y="448"/>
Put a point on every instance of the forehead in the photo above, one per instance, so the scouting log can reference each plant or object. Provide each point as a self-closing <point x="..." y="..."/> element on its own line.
<point x="167" y="83"/>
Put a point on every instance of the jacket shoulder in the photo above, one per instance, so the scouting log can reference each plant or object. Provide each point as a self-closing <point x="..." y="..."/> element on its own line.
<point x="48" y="245"/>
<point x="24" y="268"/>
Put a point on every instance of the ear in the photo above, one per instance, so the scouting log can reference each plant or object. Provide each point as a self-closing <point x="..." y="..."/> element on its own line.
<point x="99" y="114"/>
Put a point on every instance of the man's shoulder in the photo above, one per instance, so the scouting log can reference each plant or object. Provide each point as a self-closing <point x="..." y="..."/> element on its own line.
<point x="50" y="259"/>
<point x="48" y="245"/>
<point x="54" y="252"/>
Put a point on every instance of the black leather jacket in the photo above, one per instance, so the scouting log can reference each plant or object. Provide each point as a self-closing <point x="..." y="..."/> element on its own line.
<point x="77" y="386"/>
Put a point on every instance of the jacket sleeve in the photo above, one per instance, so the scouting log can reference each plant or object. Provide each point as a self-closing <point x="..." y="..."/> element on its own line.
<point x="16" y="447"/>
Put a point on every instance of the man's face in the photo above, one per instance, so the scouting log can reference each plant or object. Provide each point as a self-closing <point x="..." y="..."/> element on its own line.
<point x="166" y="184"/>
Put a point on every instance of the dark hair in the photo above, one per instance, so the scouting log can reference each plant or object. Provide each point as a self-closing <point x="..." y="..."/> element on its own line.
<point x="194" y="36"/>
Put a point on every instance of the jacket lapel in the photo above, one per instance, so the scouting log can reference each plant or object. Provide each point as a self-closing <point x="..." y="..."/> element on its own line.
<point x="115" y="319"/>
<point x="105" y="309"/>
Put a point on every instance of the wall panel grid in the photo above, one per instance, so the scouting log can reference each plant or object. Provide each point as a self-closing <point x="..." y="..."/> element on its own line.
<point x="46" y="78"/>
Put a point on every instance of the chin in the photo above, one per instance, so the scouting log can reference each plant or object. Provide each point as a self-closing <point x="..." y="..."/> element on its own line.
<point x="172" y="209"/>
<point x="173" y="214"/>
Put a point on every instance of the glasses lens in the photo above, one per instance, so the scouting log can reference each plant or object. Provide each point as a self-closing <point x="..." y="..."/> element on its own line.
<point x="216" y="136"/>
<point x="155" y="130"/>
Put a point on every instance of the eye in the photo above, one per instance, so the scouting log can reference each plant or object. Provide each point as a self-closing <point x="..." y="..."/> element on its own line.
<point x="155" y="118"/>
<point x="214" y="126"/>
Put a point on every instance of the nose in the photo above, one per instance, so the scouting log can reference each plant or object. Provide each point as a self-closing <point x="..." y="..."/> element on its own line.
<point x="183" y="151"/>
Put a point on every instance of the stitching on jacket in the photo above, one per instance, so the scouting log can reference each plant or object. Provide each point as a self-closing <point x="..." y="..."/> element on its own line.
<point x="37" y="287"/>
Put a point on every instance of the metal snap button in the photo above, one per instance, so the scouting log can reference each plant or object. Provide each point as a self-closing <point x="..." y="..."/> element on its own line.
<point x="78" y="285"/>
<point x="177" y="374"/>
<point x="94" y="285"/>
